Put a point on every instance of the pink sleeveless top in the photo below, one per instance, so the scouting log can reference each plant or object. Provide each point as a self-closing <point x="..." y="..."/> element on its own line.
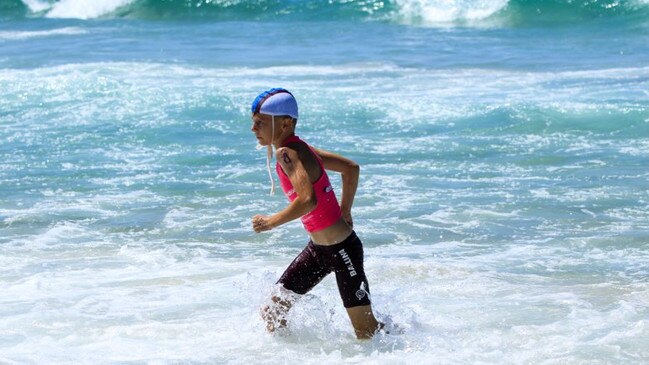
<point x="327" y="210"/>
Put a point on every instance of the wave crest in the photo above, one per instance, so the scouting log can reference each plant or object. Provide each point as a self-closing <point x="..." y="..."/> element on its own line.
<point x="411" y="12"/>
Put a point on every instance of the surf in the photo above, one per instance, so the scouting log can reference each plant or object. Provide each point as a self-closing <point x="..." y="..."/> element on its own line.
<point x="435" y="13"/>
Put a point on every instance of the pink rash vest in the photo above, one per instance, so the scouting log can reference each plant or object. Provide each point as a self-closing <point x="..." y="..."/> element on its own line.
<point x="327" y="210"/>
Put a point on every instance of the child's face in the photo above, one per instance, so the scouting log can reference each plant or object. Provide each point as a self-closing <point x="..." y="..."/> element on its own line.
<point x="261" y="127"/>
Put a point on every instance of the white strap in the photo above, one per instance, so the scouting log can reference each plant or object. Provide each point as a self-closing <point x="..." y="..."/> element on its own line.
<point x="269" y="155"/>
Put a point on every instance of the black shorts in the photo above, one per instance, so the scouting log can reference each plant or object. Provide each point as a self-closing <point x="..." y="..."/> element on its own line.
<point x="316" y="261"/>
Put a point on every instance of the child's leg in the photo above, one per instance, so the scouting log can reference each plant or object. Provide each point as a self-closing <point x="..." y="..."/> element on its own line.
<point x="353" y="287"/>
<point x="364" y="322"/>
<point x="299" y="277"/>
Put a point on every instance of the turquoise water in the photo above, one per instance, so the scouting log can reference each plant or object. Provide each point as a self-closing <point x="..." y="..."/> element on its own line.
<point x="503" y="203"/>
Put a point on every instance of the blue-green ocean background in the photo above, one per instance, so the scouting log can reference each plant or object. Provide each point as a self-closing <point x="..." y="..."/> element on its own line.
<point x="503" y="201"/>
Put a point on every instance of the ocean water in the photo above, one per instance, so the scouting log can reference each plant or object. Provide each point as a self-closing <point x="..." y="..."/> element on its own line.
<point x="503" y="201"/>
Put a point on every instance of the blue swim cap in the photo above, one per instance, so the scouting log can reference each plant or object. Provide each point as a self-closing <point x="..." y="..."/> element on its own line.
<point x="276" y="101"/>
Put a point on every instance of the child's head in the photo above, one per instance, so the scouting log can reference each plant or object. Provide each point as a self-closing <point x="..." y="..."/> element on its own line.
<point x="273" y="113"/>
<point x="276" y="102"/>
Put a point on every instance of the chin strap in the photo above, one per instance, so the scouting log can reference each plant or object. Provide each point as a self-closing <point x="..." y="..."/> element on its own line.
<point x="270" y="174"/>
<point x="269" y="156"/>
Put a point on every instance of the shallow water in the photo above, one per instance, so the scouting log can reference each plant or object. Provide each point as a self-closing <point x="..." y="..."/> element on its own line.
<point x="503" y="202"/>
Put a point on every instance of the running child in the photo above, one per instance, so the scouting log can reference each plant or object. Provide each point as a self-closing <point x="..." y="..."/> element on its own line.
<point x="333" y="245"/>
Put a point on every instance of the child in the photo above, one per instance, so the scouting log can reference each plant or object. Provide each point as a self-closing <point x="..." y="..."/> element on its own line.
<point x="333" y="245"/>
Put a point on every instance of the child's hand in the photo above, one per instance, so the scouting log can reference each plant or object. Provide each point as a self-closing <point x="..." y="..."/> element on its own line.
<point x="347" y="216"/>
<point x="261" y="223"/>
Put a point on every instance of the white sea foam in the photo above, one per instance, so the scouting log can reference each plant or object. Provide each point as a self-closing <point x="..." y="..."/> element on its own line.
<point x="447" y="11"/>
<point x="486" y="85"/>
<point x="638" y="148"/>
<point x="19" y="35"/>
<point x="79" y="9"/>
<point x="37" y="5"/>
<point x="135" y="303"/>
<point x="468" y="255"/>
